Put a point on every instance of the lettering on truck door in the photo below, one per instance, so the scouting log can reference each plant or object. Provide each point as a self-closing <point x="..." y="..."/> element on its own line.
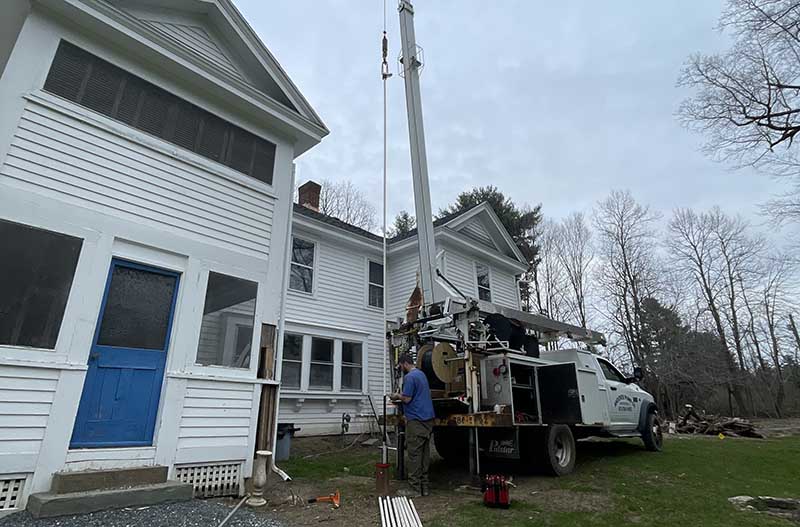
<point x="623" y="402"/>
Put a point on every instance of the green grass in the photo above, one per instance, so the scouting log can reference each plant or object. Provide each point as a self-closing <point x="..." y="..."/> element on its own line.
<point x="616" y="483"/>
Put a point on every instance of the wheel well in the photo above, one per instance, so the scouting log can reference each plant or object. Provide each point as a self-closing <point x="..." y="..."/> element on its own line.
<point x="646" y="409"/>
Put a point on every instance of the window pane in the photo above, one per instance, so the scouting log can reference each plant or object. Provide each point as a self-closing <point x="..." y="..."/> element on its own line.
<point x="484" y="294"/>
<point x="321" y="350"/>
<point x="138" y="308"/>
<point x="375" y="273"/>
<point x="228" y="318"/>
<point x="375" y="295"/>
<point x="483" y="275"/>
<point x="351" y="378"/>
<point x="321" y="377"/>
<point x="290" y="375"/>
<point x="292" y="347"/>
<point x="36" y="273"/>
<point x="303" y="252"/>
<point x="301" y="279"/>
<point x="351" y="353"/>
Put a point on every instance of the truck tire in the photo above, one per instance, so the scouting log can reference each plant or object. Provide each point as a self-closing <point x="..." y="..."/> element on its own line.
<point x="558" y="450"/>
<point x="652" y="436"/>
<point x="452" y="445"/>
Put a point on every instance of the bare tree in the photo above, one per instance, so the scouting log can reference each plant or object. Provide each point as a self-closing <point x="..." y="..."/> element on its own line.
<point x="747" y="99"/>
<point x="627" y="274"/>
<point x="575" y="253"/>
<point x="550" y="279"/>
<point x="343" y="200"/>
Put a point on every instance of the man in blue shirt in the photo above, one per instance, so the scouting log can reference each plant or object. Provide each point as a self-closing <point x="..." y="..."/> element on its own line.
<point x="418" y="409"/>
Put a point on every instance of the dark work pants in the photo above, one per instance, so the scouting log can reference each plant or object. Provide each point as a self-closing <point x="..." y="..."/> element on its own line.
<point x="418" y="441"/>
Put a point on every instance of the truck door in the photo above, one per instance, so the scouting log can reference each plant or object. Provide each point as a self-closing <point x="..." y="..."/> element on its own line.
<point x="623" y="402"/>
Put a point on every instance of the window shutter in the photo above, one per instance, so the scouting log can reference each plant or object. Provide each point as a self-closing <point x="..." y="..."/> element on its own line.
<point x="129" y="102"/>
<point x="240" y="155"/>
<point x="154" y="111"/>
<point x="102" y="87"/>
<point x="187" y="126"/>
<point x="264" y="161"/>
<point x="68" y="72"/>
<point x="212" y="138"/>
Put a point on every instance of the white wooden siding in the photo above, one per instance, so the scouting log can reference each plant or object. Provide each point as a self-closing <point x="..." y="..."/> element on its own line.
<point x="402" y="277"/>
<point x="460" y="269"/>
<point x="197" y="40"/>
<point x="478" y="232"/>
<point x="63" y="157"/>
<point x="216" y="414"/>
<point x="339" y="302"/>
<point x="26" y="395"/>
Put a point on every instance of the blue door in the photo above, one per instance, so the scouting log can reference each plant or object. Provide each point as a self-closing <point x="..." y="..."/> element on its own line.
<point x="126" y="363"/>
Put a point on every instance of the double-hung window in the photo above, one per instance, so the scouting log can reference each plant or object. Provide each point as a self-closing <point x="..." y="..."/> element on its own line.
<point x="375" y="284"/>
<point x="292" y="361"/>
<point x="320" y="375"/>
<point x="351" y="366"/>
<point x="484" y="282"/>
<point x="302" y="272"/>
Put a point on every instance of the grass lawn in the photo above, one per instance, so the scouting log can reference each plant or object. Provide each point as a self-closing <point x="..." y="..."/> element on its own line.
<point x="615" y="483"/>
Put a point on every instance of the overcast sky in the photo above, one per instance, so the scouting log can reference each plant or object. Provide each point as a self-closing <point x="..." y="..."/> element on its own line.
<point x="553" y="102"/>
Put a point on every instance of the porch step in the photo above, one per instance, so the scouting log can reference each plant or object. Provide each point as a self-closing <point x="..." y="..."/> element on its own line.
<point x="80" y="481"/>
<point x="49" y="504"/>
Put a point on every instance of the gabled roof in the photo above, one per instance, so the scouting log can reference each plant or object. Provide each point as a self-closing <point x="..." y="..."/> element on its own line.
<point x="482" y="214"/>
<point x="205" y="44"/>
<point x="215" y="32"/>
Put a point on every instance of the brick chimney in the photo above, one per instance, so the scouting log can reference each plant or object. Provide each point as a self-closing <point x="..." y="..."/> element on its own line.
<point x="308" y="195"/>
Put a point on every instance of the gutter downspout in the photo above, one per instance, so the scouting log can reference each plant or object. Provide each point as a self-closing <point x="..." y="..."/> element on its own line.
<point x="281" y="324"/>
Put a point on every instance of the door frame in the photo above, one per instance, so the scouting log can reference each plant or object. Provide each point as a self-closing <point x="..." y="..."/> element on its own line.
<point x="151" y="419"/>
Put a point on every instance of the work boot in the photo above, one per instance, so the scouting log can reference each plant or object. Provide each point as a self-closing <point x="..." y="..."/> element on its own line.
<point x="409" y="492"/>
<point x="425" y="490"/>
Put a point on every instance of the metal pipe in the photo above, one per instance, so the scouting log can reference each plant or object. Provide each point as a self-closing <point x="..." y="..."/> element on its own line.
<point x="395" y="515"/>
<point x="228" y="517"/>
<point x="407" y="510"/>
<point x="383" y="512"/>
<point x="403" y="512"/>
<point x="416" y="515"/>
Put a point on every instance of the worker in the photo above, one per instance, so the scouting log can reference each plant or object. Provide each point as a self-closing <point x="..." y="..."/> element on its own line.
<point x="418" y="410"/>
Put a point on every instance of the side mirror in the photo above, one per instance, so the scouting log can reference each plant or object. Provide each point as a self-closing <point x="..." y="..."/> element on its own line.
<point x="638" y="374"/>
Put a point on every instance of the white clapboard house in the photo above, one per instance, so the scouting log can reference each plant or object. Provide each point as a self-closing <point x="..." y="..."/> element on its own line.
<point x="333" y="348"/>
<point x="146" y="182"/>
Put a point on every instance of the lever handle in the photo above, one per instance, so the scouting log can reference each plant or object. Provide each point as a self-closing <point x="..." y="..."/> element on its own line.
<point x="614" y="388"/>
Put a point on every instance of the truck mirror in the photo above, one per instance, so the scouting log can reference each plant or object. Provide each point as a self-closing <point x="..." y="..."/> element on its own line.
<point x="637" y="373"/>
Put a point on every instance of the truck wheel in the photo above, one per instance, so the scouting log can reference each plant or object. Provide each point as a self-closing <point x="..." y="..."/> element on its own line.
<point x="558" y="450"/>
<point x="452" y="445"/>
<point x="652" y="436"/>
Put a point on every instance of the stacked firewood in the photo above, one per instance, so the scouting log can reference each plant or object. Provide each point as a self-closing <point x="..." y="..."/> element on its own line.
<point x="708" y="424"/>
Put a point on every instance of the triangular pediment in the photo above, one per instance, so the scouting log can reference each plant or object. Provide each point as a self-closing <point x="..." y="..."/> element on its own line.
<point x="477" y="231"/>
<point x="481" y="225"/>
<point x="219" y="38"/>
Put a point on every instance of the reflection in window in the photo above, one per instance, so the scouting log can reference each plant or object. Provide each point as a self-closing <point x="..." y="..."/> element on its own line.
<point x="36" y="272"/>
<point x="226" y="333"/>
<point x="321" y="372"/>
<point x="302" y="271"/>
<point x="351" y="366"/>
<point x="292" y="360"/>
<point x="484" y="285"/>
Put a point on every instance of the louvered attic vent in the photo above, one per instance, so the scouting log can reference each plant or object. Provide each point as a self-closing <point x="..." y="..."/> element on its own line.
<point x="96" y="84"/>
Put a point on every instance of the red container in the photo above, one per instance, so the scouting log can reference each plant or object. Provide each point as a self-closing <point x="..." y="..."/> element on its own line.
<point x="382" y="479"/>
<point x="495" y="492"/>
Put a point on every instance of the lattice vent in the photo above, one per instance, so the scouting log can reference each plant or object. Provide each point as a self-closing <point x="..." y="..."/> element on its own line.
<point x="222" y="479"/>
<point x="11" y="492"/>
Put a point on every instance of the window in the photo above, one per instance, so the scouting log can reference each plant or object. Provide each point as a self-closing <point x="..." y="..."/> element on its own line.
<point x="610" y="372"/>
<point x="36" y="273"/>
<point x="484" y="285"/>
<point x="94" y="83"/>
<point x="375" y="284"/>
<point x="226" y="333"/>
<point x="351" y="366"/>
<point x="292" y="360"/>
<point x="302" y="273"/>
<point x="320" y="375"/>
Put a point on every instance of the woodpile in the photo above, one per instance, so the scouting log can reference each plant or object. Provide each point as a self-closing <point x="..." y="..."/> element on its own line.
<point x="708" y="424"/>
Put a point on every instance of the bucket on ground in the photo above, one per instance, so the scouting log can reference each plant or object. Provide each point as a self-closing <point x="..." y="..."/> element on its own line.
<point x="283" y="445"/>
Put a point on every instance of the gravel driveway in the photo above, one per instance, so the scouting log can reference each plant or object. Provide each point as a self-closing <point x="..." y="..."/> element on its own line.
<point x="194" y="513"/>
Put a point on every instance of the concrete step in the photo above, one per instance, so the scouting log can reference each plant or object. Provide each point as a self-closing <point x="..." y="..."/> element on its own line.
<point x="85" y="480"/>
<point x="49" y="504"/>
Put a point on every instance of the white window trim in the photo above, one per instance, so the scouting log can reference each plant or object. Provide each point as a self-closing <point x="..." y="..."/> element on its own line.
<point x="369" y="260"/>
<point x="313" y="267"/>
<point x="475" y="280"/>
<point x="336" y="343"/>
<point x="294" y="361"/>
<point x="338" y="338"/>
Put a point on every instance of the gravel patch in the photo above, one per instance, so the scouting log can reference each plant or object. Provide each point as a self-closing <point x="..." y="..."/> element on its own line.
<point x="194" y="513"/>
